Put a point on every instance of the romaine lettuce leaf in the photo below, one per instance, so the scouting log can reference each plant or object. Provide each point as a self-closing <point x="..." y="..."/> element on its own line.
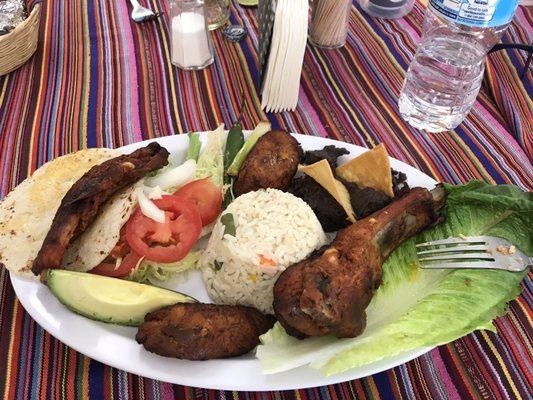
<point x="414" y="308"/>
<point x="211" y="160"/>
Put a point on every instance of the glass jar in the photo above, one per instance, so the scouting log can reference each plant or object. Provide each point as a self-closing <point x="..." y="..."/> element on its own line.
<point x="387" y="9"/>
<point x="217" y="13"/>
<point x="329" y="23"/>
<point x="191" y="41"/>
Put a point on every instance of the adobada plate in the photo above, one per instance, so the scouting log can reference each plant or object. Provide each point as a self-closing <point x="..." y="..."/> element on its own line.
<point x="116" y="346"/>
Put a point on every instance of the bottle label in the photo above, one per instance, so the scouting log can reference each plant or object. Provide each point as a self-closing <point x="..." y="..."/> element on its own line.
<point x="481" y="13"/>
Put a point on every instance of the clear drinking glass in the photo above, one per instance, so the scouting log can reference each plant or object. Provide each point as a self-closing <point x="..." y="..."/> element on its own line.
<point x="329" y="23"/>
<point x="191" y="41"/>
<point x="217" y="13"/>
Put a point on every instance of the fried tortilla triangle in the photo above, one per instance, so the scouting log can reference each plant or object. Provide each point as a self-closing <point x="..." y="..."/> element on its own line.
<point x="321" y="172"/>
<point x="370" y="169"/>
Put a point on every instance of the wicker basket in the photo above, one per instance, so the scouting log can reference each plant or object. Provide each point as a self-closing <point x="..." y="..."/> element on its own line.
<point x="19" y="45"/>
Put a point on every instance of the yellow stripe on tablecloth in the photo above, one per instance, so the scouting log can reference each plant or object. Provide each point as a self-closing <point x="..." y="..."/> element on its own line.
<point x="4" y="87"/>
<point x="502" y="364"/>
<point x="10" y="353"/>
<point x="85" y="378"/>
<point x="373" y="388"/>
<point x="87" y="81"/>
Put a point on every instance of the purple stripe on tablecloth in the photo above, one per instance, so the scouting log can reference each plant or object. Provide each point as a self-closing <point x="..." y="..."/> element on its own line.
<point x="443" y="375"/>
<point x="129" y="84"/>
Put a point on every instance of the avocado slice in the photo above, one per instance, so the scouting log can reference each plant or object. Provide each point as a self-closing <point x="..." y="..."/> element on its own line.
<point x="109" y="300"/>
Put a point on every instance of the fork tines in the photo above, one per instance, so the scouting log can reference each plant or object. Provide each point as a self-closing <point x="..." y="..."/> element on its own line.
<point x="151" y="17"/>
<point x="454" y="241"/>
<point x="454" y="252"/>
<point x="484" y="252"/>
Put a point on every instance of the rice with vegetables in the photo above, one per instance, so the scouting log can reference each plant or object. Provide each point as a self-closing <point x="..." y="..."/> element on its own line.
<point x="259" y="235"/>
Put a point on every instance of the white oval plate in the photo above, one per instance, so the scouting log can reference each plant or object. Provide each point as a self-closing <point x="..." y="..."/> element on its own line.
<point x="116" y="346"/>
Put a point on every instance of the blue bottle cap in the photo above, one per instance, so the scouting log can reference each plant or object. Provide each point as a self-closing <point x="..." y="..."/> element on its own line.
<point x="235" y="33"/>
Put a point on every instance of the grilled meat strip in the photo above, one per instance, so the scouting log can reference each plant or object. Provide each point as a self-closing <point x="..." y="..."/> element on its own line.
<point x="196" y="331"/>
<point x="81" y="203"/>
<point x="329" y="292"/>
<point x="272" y="163"/>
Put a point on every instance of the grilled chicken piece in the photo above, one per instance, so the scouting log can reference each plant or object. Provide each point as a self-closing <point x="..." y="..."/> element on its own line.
<point x="329" y="292"/>
<point x="196" y="331"/>
<point x="272" y="163"/>
<point x="81" y="203"/>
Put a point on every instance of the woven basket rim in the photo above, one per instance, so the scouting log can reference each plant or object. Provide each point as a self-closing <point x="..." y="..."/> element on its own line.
<point x="23" y="24"/>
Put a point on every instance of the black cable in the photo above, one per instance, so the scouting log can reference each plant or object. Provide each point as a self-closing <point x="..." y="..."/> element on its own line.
<point x="519" y="46"/>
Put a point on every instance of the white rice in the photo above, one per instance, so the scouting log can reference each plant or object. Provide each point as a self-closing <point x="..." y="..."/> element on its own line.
<point x="270" y="224"/>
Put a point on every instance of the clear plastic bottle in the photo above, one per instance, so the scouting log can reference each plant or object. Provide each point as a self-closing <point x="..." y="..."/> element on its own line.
<point x="445" y="75"/>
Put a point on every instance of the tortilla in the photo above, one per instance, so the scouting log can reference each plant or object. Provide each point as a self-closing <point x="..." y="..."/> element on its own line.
<point x="371" y="169"/>
<point x="26" y="214"/>
<point x="95" y="244"/>
<point x="322" y="173"/>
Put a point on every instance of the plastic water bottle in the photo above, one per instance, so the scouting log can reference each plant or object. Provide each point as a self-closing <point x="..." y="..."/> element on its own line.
<point x="445" y="75"/>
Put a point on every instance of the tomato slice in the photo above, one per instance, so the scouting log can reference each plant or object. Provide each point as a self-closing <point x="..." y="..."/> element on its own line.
<point x="206" y="195"/>
<point x="169" y="241"/>
<point x="108" y="268"/>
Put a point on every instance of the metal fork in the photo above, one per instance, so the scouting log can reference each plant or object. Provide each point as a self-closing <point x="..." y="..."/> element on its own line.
<point x="142" y="14"/>
<point x="485" y="252"/>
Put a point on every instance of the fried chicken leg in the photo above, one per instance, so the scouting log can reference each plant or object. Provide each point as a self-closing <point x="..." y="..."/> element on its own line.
<point x="329" y="292"/>
<point x="81" y="203"/>
<point x="197" y="331"/>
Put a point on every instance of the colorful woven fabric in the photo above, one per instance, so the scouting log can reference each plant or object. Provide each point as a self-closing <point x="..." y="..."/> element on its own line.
<point x="98" y="79"/>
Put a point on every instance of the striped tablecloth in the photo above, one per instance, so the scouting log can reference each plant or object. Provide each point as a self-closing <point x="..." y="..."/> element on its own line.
<point x="98" y="79"/>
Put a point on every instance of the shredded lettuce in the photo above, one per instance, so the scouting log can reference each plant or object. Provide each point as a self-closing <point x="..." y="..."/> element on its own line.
<point x="193" y="151"/>
<point x="149" y="270"/>
<point x="211" y="160"/>
<point x="414" y="308"/>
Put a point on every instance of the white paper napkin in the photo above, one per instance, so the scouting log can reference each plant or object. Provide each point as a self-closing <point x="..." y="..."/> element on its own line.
<point x="284" y="69"/>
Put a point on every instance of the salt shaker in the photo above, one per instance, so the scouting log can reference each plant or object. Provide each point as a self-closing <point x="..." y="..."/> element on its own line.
<point x="192" y="48"/>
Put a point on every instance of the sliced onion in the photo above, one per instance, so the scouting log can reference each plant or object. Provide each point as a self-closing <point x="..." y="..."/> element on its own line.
<point x="175" y="177"/>
<point x="138" y="263"/>
<point x="148" y="207"/>
<point x="118" y="261"/>
<point x="154" y="193"/>
<point x="206" y="230"/>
